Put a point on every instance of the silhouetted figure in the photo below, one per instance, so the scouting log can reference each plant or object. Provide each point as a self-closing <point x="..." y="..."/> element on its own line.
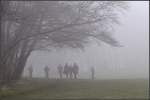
<point x="75" y="70"/>
<point x="30" y="71"/>
<point x="46" y="69"/>
<point x="66" y="70"/>
<point x="60" y="70"/>
<point x="70" y="69"/>
<point x="92" y="72"/>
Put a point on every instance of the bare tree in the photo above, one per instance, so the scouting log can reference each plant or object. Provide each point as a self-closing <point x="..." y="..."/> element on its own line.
<point x="29" y="25"/>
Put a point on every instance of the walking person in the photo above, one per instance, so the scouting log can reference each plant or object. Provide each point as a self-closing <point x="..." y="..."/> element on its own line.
<point x="66" y="70"/>
<point x="60" y="71"/>
<point x="70" y="68"/>
<point x="46" y="69"/>
<point x="30" y="69"/>
<point x="75" y="70"/>
<point x="92" y="73"/>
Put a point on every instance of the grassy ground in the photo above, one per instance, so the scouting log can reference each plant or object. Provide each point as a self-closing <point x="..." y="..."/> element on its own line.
<point x="40" y="89"/>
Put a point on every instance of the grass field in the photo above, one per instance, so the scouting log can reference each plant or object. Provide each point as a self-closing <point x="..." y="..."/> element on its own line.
<point x="40" y="89"/>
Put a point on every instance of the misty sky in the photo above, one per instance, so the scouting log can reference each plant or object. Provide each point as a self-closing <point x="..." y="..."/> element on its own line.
<point x="130" y="61"/>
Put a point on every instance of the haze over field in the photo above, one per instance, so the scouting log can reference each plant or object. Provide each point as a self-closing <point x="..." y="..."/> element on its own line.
<point x="129" y="61"/>
<point x="62" y="49"/>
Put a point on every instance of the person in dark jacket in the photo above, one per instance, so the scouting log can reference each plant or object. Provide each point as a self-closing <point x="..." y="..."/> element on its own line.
<point x="30" y="69"/>
<point x="92" y="72"/>
<point x="75" y="70"/>
<point x="46" y="69"/>
<point x="66" y="70"/>
<point x="60" y="70"/>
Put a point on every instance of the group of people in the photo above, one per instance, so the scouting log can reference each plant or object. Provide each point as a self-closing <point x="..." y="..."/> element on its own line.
<point x="70" y="71"/>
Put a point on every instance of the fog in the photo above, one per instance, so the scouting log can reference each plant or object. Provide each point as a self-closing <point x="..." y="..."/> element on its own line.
<point x="129" y="61"/>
